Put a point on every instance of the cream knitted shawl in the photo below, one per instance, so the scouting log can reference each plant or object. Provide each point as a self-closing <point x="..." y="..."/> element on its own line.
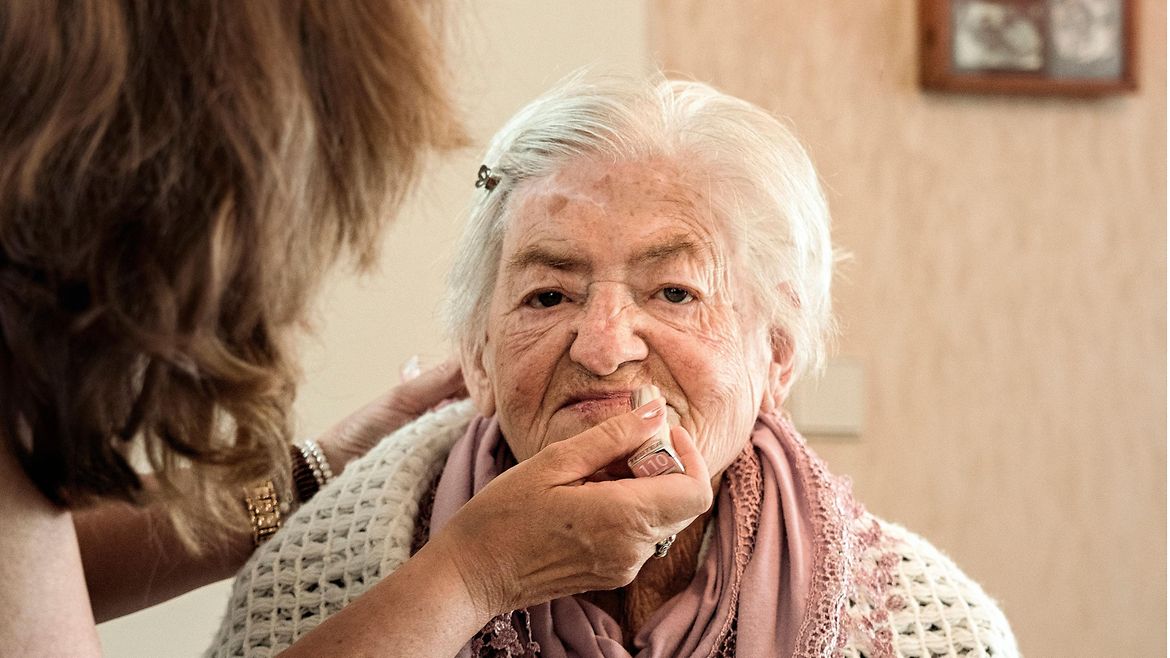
<point x="909" y="599"/>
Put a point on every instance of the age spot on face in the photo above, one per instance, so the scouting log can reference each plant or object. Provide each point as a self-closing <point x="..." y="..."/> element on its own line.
<point x="556" y="204"/>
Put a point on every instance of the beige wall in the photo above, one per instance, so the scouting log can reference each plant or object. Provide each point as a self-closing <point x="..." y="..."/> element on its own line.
<point x="1006" y="298"/>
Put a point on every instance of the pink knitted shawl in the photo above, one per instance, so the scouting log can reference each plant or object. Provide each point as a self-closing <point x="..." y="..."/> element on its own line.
<point x="773" y="582"/>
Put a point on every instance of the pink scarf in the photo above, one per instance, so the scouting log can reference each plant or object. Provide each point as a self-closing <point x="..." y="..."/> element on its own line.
<point x="773" y="582"/>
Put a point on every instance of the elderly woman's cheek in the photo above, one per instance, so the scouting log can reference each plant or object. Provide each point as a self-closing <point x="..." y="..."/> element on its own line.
<point x="525" y="333"/>
<point x="729" y="400"/>
<point x="524" y="356"/>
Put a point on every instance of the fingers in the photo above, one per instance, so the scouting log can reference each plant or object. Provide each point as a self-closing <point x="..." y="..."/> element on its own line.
<point x="445" y="379"/>
<point x="676" y="498"/>
<point x="630" y="514"/>
<point x="578" y="457"/>
<point x="664" y="504"/>
<point x="415" y="396"/>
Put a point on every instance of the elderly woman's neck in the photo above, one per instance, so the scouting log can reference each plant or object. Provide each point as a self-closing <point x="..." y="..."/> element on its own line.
<point x="658" y="581"/>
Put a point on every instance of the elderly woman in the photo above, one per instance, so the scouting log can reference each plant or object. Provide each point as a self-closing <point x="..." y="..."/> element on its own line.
<point x="625" y="233"/>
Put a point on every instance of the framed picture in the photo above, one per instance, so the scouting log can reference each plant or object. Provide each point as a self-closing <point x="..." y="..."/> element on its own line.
<point x="1072" y="47"/>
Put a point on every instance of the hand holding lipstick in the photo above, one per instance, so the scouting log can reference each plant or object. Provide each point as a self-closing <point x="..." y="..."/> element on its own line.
<point x="554" y="533"/>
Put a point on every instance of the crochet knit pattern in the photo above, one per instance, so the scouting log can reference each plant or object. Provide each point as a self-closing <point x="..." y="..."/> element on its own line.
<point x="907" y="599"/>
<point x="357" y="529"/>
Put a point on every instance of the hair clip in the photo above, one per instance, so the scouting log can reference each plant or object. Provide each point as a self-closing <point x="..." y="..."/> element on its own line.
<point x="485" y="179"/>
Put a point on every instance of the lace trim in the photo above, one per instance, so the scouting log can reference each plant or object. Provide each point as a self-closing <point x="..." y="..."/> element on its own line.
<point x="836" y="549"/>
<point x="503" y="637"/>
<point x="873" y="583"/>
<point x="746" y="486"/>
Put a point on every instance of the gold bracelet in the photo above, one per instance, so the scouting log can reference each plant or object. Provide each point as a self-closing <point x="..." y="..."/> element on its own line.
<point x="263" y="509"/>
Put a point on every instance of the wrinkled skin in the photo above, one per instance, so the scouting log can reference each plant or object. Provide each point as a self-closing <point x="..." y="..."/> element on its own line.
<point x="614" y="276"/>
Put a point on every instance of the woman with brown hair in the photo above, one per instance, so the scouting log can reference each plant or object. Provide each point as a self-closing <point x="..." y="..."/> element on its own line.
<point x="173" y="184"/>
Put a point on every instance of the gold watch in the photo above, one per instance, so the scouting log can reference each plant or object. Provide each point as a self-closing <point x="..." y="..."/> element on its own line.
<point x="263" y="509"/>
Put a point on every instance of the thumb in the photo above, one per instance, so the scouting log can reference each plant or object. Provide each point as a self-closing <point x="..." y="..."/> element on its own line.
<point x="578" y="457"/>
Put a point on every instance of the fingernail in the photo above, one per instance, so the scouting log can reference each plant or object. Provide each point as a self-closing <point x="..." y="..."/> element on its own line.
<point x="652" y="409"/>
<point x="410" y="369"/>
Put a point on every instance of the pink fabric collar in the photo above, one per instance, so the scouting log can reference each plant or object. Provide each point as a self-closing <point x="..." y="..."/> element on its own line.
<point x="773" y="582"/>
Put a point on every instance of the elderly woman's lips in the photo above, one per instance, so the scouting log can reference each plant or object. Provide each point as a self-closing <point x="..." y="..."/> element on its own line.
<point x="609" y="404"/>
<point x="594" y="411"/>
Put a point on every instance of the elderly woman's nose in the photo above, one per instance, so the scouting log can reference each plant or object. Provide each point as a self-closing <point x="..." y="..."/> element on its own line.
<point x="607" y="333"/>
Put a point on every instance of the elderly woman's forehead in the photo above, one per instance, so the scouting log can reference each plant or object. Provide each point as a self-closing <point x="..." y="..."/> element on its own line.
<point x="656" y="181"/>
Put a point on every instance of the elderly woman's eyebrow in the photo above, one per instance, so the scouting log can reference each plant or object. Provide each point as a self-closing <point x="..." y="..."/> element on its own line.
<point x="539" y="256"/>
<point x="670" y="248"/>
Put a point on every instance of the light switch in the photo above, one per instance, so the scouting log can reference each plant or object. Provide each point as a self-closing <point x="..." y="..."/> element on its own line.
<point x="833" y="404"/>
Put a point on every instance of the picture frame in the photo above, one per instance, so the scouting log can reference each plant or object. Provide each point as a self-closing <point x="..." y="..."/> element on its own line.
<point x="1045" y="47"/>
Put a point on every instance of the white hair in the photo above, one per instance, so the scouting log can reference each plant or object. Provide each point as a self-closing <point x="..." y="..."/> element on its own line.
<point x="759" y="176"/>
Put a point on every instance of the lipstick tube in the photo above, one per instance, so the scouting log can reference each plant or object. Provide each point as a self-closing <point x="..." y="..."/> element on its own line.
<point x="656" y="456"/>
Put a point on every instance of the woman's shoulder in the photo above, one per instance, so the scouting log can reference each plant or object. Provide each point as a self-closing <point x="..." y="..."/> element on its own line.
<point x="348" y="537"/>
<point x="909" y="599"/>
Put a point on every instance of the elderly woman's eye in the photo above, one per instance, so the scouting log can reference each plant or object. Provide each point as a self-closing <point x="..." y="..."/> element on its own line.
<point x="676" y="295"/>
<point x="546" y="299"/>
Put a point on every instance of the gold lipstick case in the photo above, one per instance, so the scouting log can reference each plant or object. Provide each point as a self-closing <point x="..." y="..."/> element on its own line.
<point x="656" y="456"/>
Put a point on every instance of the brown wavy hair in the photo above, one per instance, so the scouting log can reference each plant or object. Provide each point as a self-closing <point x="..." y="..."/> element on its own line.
<point x="174" y="180"/>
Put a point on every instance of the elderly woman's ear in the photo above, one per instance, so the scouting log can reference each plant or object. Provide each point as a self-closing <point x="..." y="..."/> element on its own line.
<point x="779" y="373"/>
<point x="475" y="375"/>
